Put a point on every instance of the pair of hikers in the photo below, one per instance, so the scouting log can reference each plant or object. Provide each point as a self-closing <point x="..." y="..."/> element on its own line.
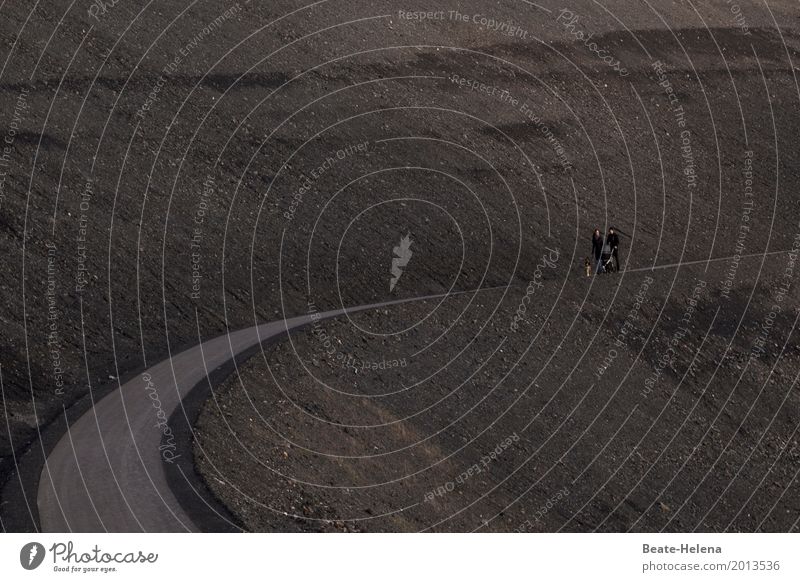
<point x="604" y="252"/>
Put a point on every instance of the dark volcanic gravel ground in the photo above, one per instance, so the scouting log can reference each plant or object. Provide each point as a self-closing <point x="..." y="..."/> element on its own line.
<point x="151" y="198"/>
<point x="306" y="440"/>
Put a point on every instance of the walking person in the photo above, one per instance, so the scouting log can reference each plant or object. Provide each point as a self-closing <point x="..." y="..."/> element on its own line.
<point x="613" y="241"/>
<point x="597" y="249"/>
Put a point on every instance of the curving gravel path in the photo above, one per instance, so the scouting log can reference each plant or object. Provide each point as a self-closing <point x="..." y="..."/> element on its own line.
<point x="107" y="473"/>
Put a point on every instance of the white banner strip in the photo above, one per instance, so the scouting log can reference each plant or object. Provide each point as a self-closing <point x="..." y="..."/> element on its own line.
<point x="390" y="557"/>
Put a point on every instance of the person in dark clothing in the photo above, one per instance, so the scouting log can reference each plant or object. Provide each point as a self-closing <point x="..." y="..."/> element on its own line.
<point x="613" y="241"/>
<point x="597" y="249"/>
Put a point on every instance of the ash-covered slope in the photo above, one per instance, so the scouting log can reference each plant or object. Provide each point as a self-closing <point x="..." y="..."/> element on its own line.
<point x="184" y="170"/>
